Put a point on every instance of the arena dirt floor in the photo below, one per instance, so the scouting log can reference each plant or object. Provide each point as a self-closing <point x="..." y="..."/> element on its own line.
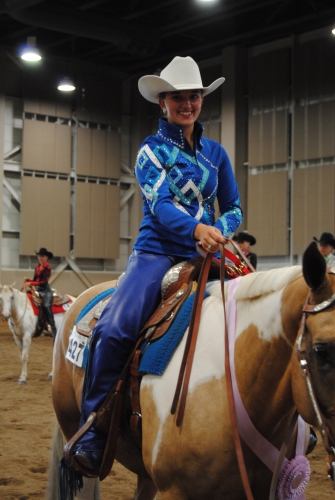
<point x="27" y="425"/>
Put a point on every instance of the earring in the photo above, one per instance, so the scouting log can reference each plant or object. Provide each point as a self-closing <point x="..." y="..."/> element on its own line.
<point x="164" y="111"/>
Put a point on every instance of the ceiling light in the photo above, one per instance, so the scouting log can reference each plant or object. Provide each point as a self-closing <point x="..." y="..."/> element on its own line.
<point x="30" y="52"/>
<point x="333" y="30"/>
<point x="66" y="85"/>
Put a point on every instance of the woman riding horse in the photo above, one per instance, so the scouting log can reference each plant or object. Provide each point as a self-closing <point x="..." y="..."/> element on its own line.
<point x="180" y="174"/>
<point x="41" y="281"/>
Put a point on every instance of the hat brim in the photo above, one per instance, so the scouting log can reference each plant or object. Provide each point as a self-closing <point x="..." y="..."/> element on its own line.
<point x="328" y="242"/>
<point x="151" y="86"/>
<point x="246" y="237"/>
<point x="47" y="254"/>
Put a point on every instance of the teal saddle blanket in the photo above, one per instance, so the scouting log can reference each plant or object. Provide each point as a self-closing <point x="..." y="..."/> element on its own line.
<point x="156" y="355"/>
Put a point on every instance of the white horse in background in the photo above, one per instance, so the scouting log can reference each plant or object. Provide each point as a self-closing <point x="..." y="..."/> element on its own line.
<point x="22" y="321"/>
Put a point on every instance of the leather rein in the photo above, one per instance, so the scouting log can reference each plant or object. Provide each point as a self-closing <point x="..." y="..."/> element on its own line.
<point x="301" y="354"/>
<point x="186" y="366"/>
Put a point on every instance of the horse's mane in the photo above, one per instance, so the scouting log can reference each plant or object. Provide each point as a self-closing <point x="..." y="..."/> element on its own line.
<point x="261" y="283"/>
<point x="264" y="282"/>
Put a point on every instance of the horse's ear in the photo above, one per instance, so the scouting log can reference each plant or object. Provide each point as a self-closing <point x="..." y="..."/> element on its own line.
<point x="313" y="267"/>
<point x="11" y="286"/>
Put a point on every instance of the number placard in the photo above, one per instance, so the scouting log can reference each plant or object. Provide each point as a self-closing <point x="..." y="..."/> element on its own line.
<point x="78" y="349"/>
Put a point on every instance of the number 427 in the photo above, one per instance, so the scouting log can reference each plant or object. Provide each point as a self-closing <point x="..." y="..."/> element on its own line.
<point x="75" y="349"/>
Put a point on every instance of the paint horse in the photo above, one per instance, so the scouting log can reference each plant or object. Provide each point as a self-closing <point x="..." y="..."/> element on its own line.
<point x="22" y="318"/>
<point x="273" y="345"/>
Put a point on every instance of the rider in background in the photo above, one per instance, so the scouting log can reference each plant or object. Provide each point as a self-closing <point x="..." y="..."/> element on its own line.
<point x="245" y="241"/>
<point x="326" y="247"/>
<point x="40" y="281"/>
<point x="180" y="174"/>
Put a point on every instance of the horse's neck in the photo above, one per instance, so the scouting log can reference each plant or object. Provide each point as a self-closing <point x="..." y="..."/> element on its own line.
<point x="19" y="304"/>
<point x="267" y="329"/>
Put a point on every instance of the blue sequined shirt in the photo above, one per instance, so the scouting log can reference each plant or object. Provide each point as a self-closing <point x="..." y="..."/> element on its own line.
<point x="179" y="187"/>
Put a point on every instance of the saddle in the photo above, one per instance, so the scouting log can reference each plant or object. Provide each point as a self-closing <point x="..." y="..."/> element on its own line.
<point x="87" y="323"/>
<point x="179" y="282"/>
<point x="57" y="298"/>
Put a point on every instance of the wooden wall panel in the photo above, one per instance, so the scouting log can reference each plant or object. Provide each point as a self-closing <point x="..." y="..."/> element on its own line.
<point x="314" y="69"/>
<point x="100" y="100"/>
<point x="46" y="147"/>
<point x="299" y="143"/>
<point x="313" y="207"/>
<point x="268" y="138"/>
<point x="84" y="146"/>
<point x="98" y="153"/>
<point x="280" y="143"/>
<point x="213" y="131"/>
<point x="327" y="128"/>
<point x="269" y="91"/>
<point x="254" y="140"/>
<point x="313" y="127"/>
<point x="269" y="79"/>
<point x="314" y="131"/>
<point x="49" y="108"/>
<point x="45" y="215"/>
<point x="97" y="221"/>
<point x="268" y="212"/>
<point x="113" y="167"/>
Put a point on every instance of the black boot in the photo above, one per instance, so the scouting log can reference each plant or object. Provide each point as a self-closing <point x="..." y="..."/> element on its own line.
<point x="50" y="319"/>
<point x="89" y="451"/>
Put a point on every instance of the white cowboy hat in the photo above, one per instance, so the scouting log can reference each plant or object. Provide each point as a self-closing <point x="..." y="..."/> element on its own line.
<point x="181" y="74"/>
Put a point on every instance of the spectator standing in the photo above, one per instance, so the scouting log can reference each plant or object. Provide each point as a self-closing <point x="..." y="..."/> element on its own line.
<point x="326" y="247"/>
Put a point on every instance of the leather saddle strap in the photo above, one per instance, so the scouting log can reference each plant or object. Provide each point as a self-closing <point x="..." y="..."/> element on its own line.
<point x="110" y="448"/>
<point x="186" y="365"/>
<point x="67" y="452"/>
<point x="236" y="260"/>
<point x="135" y="419"/>
<point x="230" y="393"/>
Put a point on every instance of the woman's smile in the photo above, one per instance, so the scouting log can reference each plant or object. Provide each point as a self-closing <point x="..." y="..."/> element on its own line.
<point x="182" y="107"/>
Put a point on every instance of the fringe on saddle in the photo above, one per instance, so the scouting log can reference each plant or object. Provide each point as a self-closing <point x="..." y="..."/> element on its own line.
<point x="179" y="283"/>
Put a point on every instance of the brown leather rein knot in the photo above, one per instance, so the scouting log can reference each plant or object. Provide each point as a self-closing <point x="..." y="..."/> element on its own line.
<point x="301" y="354"/>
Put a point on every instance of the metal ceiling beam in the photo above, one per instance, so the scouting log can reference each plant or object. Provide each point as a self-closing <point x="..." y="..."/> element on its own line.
<point x="222" y="14"/>
<point x="89" y="5"/>
<point x="245" y="37"/>
<point x="132" y="38"/>
<point x="158" y="6"/>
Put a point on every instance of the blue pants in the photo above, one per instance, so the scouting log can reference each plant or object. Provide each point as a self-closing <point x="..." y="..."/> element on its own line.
<point x="133" y="302"/>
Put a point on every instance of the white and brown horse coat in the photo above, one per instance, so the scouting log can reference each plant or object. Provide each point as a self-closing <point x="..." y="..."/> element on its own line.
<point x="197" y="461"/>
